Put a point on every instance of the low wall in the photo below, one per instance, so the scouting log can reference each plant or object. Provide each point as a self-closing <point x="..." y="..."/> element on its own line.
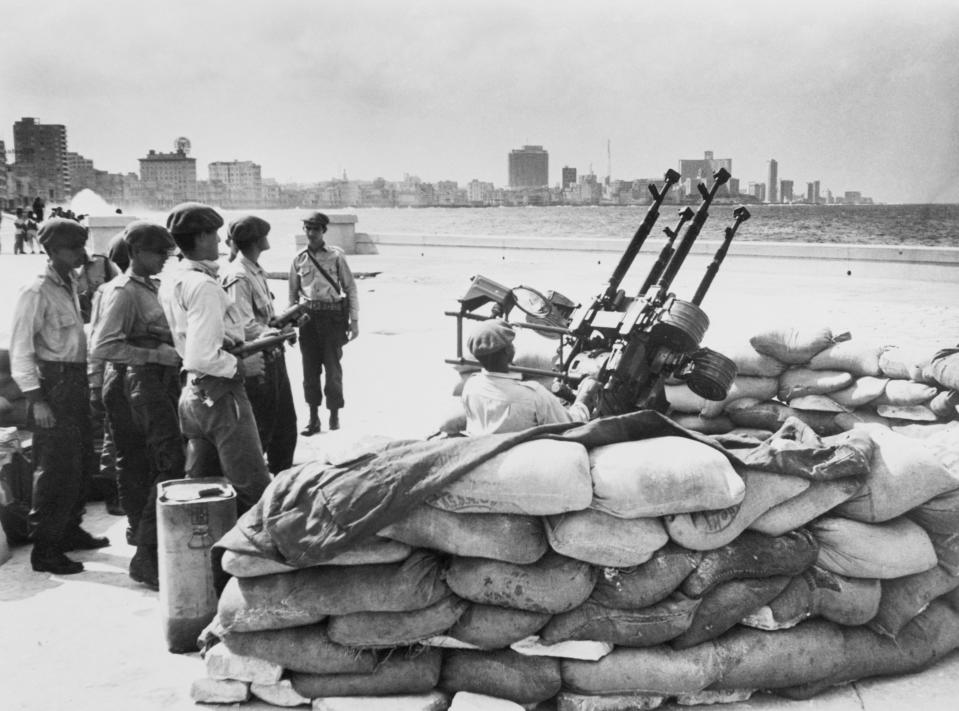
<point x="868" y="261"/>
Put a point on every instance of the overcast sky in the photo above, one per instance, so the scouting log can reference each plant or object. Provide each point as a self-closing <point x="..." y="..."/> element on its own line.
<point x="862" y="95"/>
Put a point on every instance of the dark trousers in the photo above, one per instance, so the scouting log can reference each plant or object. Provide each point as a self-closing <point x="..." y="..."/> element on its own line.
<point x="63" y="454"/>
<point x="321" y="344"/>
<point x="218" y="423"/>
<point x="272" y="401"/>
<point x="141" y="403"/>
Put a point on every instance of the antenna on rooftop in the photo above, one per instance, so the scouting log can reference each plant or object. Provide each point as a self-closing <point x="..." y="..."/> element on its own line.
<point x="182" y="145"/>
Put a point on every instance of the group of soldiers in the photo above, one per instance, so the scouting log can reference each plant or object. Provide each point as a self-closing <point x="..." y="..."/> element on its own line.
<point x="158" y="362"/>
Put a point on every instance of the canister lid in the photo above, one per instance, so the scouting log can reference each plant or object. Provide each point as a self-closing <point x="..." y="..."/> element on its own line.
<point x="183" y="490"/>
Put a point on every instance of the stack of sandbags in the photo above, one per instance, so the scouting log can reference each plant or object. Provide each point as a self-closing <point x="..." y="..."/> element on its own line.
<point x="829" y="381"/>
<point x="630" y="573"/>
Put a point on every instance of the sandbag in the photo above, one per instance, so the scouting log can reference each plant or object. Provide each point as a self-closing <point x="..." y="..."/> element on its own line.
<point x="553" y="584"/>
<point x="904" y="363"/>
<point x="752" y="555"/>
<point x="797" y="382"/>
<point x="749" y="361"/>
<point x="569" y="701"/>
<point x="494" y="627"/>
<point x="903" y="474"/>
<point x="905" y="392"/>
<point x="913" y="413"/>
<point x="850" y="356"/>
<point x="795" y="345"/>
<point x="819" y="498"/>
<point x="872" y="550"/>
<point x="662" y="475"/>
<point x="771" y="415"/>
<point x="939" y="514"/>
<point x="904" y="598"/>
<point x="816" y="403"/>
<point x="944" y="369"/>
<point x="725" y="605"/>
<point x="395" y="629"/>
<point x="305" y="649"/>
<point x="704" y="425"/>
<point x="376" y="550"/>
<point x="708" y="530"/>
<point x="862" y="392"/>
<point x="411" y="673"/>
<point x="598" y="538"/>
<point x="846" y="421"/>
<point x="504" y="674"/>
<point x="538" y="478"/>
<point x="308" y="595"/>
<point x="647" y="584"/>
<point x="659" y="670"/>
<point x="682" y="399"/>
<point x="743" y="386"/>
<point x="945" y="405"/>
<point x="624" y="628"/>
<point x="510" y="537"/>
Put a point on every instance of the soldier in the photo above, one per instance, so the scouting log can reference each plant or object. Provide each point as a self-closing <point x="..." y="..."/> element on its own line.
<point x="215" y="413"/>
<point x="270" y="394"/>
<point x="141" y="388"/>
<point x="48" y="354"/>
<point x="321" y="278"/>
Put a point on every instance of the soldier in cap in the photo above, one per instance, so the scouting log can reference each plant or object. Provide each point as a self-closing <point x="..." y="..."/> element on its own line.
<point x="321" y="279"/>
<point x="48" y="355"/>
<point x="270" y="394"/>
<point x="215" y="413"/>
<point x="497" y="400"/>
<point x="141" y="388"/>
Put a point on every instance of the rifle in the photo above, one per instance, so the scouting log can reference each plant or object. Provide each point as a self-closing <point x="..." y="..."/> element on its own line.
<point x="295" y="315"/>
<point x="264" y="343"/>
<point x="741" y="214"/>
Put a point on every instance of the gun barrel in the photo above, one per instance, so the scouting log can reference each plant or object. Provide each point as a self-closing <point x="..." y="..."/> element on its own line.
<point x="663" y="259"/>
<point x="741" y="214"/>
<point x="260" y="344"/>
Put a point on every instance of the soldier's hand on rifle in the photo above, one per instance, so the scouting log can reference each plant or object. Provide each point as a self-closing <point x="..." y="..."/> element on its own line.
<point x="354" y="330"/>
<point x="253" y="365"/>
<point x="166" y="354"/>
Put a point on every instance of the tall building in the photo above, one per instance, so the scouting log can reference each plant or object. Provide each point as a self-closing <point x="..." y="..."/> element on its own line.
<point x="772" y="189"/>
<point x="569" y="176"/>
<point x="528" y="167"/>
<point x="786" y="190"/>
<point x="167" y="178"/>
<point x="41" y="151"/>
<point x="242" y="179"/>
<point x="695" y="171"/>
<point x="812" y="192"/>
<point x="81" y="172"/>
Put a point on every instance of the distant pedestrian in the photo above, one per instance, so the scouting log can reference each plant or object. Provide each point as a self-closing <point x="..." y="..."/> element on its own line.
<point x="31" y="233"/>
<point x="38" y="204"/>
<point x="321" y="278"/>
<point x="48" y="356"/>
<point x="19" y="231"/>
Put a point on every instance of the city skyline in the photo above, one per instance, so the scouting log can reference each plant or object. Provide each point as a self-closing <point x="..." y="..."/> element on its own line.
<point x="855" y="98"/>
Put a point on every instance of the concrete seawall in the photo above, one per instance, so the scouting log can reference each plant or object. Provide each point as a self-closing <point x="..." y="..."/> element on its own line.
<point x="912" y="263"/>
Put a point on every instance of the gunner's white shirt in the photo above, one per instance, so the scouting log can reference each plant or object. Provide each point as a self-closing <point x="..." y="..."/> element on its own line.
<point x="502" y="402"/>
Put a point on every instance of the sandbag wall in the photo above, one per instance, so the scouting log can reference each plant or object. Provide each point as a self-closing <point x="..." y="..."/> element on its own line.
<point x="627" y="574"/>
<point x="830" y="381"/>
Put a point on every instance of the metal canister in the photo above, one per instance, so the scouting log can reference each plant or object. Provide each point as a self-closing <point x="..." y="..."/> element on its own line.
<point x="192" y="514"/>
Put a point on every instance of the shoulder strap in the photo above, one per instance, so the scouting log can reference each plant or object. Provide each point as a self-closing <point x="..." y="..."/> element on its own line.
<point x="333" y="282"/>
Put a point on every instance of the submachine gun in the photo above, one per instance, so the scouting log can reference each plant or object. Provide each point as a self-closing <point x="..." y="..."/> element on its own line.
<point x="630" y="344"/>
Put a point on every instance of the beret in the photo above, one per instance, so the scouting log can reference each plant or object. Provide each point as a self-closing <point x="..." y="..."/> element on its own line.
<point x="148" y="235"/>
<point x="490" y="336"/>
<point x="316" y="218"/>
<point x="248" y="228"/>
<point x="192" y="218"/>
<point x="59" y="231"/>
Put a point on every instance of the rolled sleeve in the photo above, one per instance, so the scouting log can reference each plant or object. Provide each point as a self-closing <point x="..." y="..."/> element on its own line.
<point x="23" y="354"/>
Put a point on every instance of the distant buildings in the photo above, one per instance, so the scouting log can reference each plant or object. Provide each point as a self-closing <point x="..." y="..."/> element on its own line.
<point x="41" y="151"/>
<point x="167" y="178"/>
<point x="528" y="167"/>
<point x="772" y="189"/>
<point x="786" y="191"/>
<point x="569" y="177"/>
<point x="812" y="192"/>
<point x="695" y="171"/>
<point x="242" y="181"/>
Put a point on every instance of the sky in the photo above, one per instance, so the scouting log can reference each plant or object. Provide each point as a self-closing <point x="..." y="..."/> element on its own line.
<point x="861" y="95"/>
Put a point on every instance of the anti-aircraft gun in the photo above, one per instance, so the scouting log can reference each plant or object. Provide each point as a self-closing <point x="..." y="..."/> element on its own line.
<point x="630" y="344"/>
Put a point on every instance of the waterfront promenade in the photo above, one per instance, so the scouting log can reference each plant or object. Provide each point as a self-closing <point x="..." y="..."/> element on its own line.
<point x="92" y="642"/>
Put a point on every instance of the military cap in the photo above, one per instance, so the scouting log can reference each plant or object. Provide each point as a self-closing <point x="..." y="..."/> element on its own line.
<point x="489" y="337"/>
<point x="248" y="228"/>
<point x="148" y="235"/>
<point x="61" y="232"/>
<point x="317" y="219"/>
<point x="193" y="218"/>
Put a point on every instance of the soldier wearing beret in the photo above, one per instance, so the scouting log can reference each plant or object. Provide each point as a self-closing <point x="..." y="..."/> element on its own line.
<point x="141" y="388"/>
<point x="497" y="400"/>
<point x="48" y="356"/>
<point x="270" y="394"/>
<point x="321" y="279"/>
<point x="215" y="413"/>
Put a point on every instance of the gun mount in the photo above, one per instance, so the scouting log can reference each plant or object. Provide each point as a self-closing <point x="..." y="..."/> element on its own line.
<point x="630" y="344"/>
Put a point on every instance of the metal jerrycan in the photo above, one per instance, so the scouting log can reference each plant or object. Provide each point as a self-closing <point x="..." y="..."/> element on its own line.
<point x="192" y="514"/>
